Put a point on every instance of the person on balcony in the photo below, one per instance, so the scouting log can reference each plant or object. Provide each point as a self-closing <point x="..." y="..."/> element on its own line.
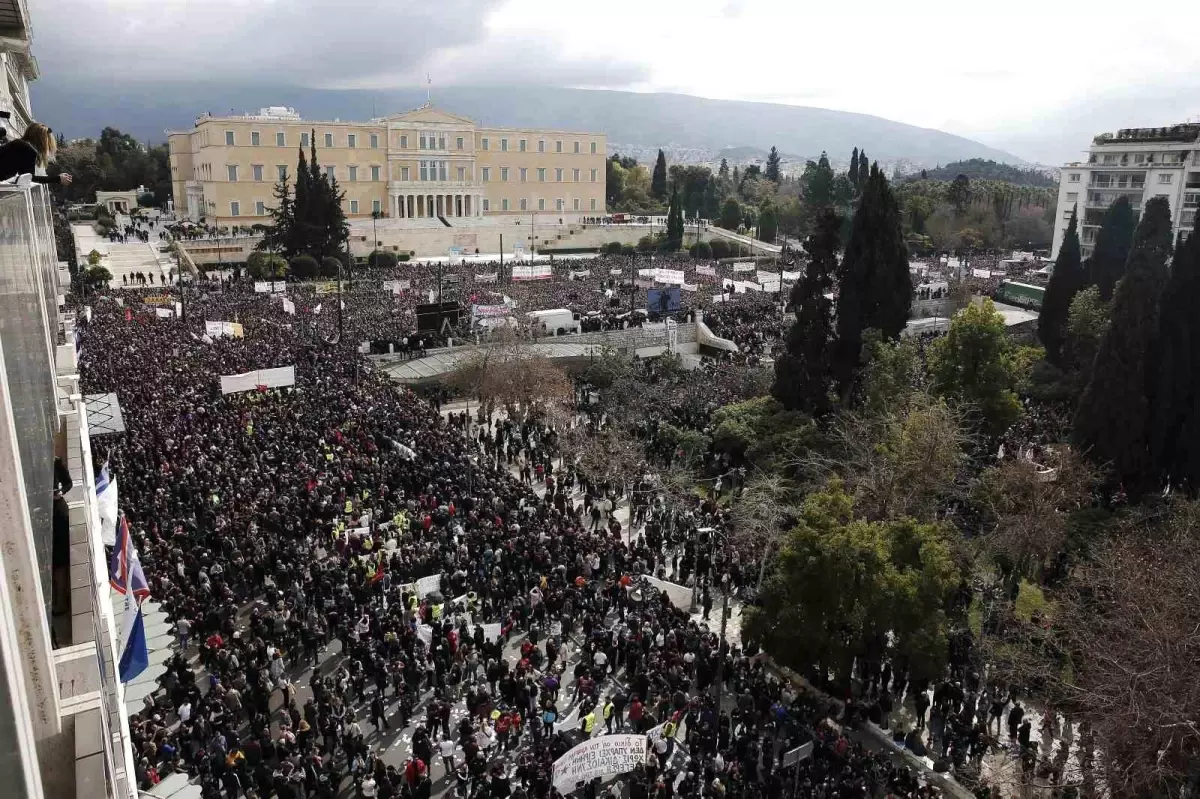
<point x="24" y="155"/>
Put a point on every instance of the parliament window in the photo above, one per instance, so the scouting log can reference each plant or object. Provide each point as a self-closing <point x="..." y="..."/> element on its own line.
<point x="280" y="140"/>
<point x="328" y="139"/>
<point x="235" y="208"/>
<point x="254" y="139"/>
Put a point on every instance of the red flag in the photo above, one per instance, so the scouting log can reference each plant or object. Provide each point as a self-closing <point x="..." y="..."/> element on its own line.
<point x="128" y="315"/>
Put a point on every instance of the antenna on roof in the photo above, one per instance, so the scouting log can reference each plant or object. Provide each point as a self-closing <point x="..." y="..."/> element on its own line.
<point x="428" y="83"/>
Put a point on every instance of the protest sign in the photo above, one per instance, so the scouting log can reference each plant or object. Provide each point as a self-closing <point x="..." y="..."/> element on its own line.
<point x="427" y="585"/>
<point x="261" y="379"/>
<point x="269" y="286"/>
<point x="491" y="632"/>
<point x="606" y="756"/>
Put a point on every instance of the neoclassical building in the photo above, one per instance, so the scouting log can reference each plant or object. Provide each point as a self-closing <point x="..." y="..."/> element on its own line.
<point x="422" y="164"/>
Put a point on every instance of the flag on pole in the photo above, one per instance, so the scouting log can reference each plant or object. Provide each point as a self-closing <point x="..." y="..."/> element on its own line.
<point x="128" y="580"/>
<point x="317" y="309"/>
<point x="106" y="506"/>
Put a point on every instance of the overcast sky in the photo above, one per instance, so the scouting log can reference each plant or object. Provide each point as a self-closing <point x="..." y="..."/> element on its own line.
<point x="1035" y="77"/>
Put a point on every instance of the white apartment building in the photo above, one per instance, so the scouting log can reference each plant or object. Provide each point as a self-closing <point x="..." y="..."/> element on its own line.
<point x="64" y="728"/>
<point x="1138" y="163"/>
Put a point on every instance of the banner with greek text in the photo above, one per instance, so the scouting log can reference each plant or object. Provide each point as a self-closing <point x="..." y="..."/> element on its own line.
<point x="706" y="270"/>
<point x="486" y="278"/>
<point x="744" y="267"/>
<point x="602" y="757"/>
<point x="261" y="380"/>
<point x="535" y="272"/>
<point x="427" y="585"/>
<point x="268" y="286"/>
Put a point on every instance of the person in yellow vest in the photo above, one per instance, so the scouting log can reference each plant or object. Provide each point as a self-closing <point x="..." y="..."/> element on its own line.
<point x="349" y="507"/>
<point x="609" y="715"/>
<point x="436" y="611"/>
<point x="589" y="723"/>
<point x="669" y="730"/>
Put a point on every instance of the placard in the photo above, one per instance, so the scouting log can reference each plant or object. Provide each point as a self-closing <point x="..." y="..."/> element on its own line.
<point x="259" y="380"/>
<point x="744" y="267"/>
<point x="486" y="278"/>
<point x="269" y="286"/>
<point x="706" y="270"/>
<point x="158" y="299"/>
<point x="427" y="585"/>
<point x="216" y="329"/>
<point x="491" y="632"/>
<point x="605" y="756"/>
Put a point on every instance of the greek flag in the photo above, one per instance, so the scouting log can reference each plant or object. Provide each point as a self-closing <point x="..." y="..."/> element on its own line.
<point x="106" y="501"/>
<point x="128" y="580"/>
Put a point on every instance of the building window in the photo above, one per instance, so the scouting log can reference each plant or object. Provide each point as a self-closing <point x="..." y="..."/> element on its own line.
<point x="280" y="140"/>
<point x="375" y="141"/>
<point x="255" y="140"/>
<point x="1072" y="196"/>
<point x="593" y="153"/>
<point x="403" y="173"/>
<point x="524" y="174"/>
<point x="260" y="208"/>
<point x="593" y="201"/>
<point x="442" y="171"/>
<point x="575" y="204"/>
<point x="351" y="140"/>
<point x="541" y="204"/>
<point x="374" y="173"/>
<point x="331" y="172"/>
<point x="504" y="204"/>
<point x="354" y="206"/>
<point x="303" y="139"/>
<point x="541" y="174"/>
<point x="376" y="207"/>
<point x="524" y="204"/>
<point x="281" y="169"/>
<point x="1073" y="177"/>
<point x="504" y="174"/>
<point x="424" y="170"/>
<point x="459" y="144"/>
<point x="558" y="146"/>
<point x="558" y="173"/>
<point x="422" y="141"/>
<point x="232" y="173"/>
<point x="593" y="176"/>
<point x="575" y="175"/>
<point x="521" y="145"/>
<point x="229" y="138"/>
<point x="486" y="205"/>
<point x="576" y="153"/>
<point x="1110" y="158"/>
<point x="328" y="139"/>
<point x="504" y="145"/>
<point x="353" y="173"/>
<point x="441" y="142"/>
<point x="1165" y="178"/>
<point x="258" y="172"/>
<point x="483" y="145"/>
<point x="487" y="174"/>
<point x="558" y="205"/>
<point x="235" y="208"/>
<point x="541" y="145"/>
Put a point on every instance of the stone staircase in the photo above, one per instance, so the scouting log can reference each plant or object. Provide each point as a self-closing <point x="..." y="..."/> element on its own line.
<point x="123" y="260"/>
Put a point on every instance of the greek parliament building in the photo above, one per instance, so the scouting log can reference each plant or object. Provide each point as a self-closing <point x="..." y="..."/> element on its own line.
<point x="422" y="164"/>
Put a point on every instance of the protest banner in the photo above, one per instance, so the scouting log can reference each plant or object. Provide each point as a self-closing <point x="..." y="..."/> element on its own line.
<point x="602" y="757"/>
<point x="269" y="286"/>
<point x="578" y="273"/>
<point x="261" y="379"/>
<point x="425" y="634"/>
<point x="745" y="266"/>
<point x="491" y="632"/>
<point x="706" y="270"/>
<point x="488" y="311"/>
<point x="216" y="329"/>
<point x="486" y="278"/>
<point x="289" y="307"/>
<point x="158" y="299"/>
<point x="163" y="313"/>
<point x="427" y="585"/>
<point x="326" y="287"/>
<point x="535" y="272"/>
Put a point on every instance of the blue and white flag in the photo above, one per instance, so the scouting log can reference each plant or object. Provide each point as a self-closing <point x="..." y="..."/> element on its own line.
<point x="128" y="580"/>
<point x="106" y="506"/>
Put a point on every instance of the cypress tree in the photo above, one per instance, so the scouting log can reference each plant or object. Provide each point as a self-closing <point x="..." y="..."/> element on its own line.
<point x="772" y="172"/>
<point x="1112" y="421"/>
<point x="864" y="168"/>
<point x="854" y="168"/>
<point x="1065" y="283"/>
<point x="301" y="207"/>
<point x="658" y="181"/>
<point x="723" y="170"/>
<point x="1112" y="248"/>
<point x="674" y="241"/>
<point x="335" y="230"/>
<point x="874" y="285"/>
<point x="1175" y="417"/>
<point x="803" y="374"/>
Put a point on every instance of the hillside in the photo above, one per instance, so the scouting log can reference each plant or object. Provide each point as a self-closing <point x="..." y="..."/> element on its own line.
<point x="146" y="110"/>
<point x="980" y="169"/>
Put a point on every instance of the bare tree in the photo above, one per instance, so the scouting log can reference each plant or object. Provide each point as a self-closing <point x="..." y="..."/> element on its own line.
<point x="760" y="517"/>
<point x="509" y="372"/>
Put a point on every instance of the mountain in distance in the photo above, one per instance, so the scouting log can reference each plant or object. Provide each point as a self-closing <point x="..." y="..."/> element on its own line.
<point x="980" y="169"/>
<point x="644" y="121"/>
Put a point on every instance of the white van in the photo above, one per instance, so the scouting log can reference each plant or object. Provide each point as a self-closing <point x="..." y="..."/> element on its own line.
<point x="554" y="322"/>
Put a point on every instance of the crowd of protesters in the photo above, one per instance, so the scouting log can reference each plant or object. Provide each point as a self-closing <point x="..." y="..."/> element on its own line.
<point x="290" y="535"/>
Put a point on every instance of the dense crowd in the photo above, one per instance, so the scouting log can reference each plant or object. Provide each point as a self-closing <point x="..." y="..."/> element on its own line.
<point x="291" y="536"/>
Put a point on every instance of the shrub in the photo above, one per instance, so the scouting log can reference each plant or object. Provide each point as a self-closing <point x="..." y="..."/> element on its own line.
<point x="381" y="259"/>
<point x="627" y="249"/>
<point x="265" y="266"/>
<point x="404" y="256"/>
<point x="304" y="267"/>
<point x="97" y="275"/>
<point x="719" y="248"/>
<point x="701" y="249"/>
<point x="646" y="244"/>
<point x="145" y="200"/>
<point x="93" y="257"/>
<point x="612" y="248"/>
<point x="330" y="266"/>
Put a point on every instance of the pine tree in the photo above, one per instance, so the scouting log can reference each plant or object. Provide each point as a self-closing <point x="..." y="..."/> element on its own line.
<point x="864" y="169"/>
<point x="1113" y="243"/>
<point x="1067" y="280"/>
<point x="768" y="221"/>
<point x="723" y="171"/>
<point x="874" y="285"/>
<point x="817" y="182"/>
<point x="803" y="374"/>
<point x="335" y="231"/>
<point x="1175" y="416"/>
<point x="1112" y="422"/>
<point x="658" y="181"/>
<point x="854" y="169"/>
<point x="674" y="241"/>
<point x="772" y="172"/>
<point x="280" y="237"/>
<point x="736" y="180"/>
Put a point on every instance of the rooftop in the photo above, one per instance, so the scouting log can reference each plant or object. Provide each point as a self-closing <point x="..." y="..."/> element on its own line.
<point x="1186" y="132"/>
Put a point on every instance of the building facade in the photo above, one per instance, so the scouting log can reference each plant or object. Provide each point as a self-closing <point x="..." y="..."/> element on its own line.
<point x="1138" y="163"/>
<point x="423" y="164"/>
